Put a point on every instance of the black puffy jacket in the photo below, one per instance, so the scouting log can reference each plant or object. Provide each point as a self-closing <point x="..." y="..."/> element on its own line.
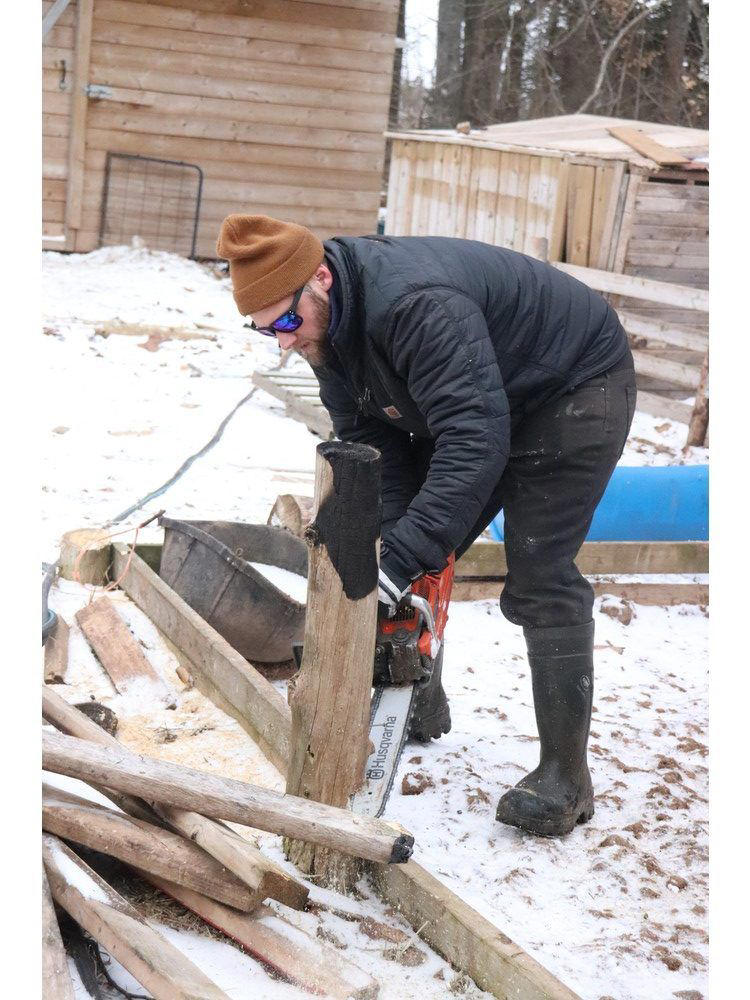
<point x="452" y="341"/>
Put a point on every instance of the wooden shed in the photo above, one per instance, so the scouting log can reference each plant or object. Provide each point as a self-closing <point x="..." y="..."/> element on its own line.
<point x="160" y="117"/>
<point x="595" y="199"/>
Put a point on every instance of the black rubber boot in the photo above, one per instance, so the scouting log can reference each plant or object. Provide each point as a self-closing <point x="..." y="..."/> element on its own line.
<point x="431" y="717"/>
<point x="558" y="793"/>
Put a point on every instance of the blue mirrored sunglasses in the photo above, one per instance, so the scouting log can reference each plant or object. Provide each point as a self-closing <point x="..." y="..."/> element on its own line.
<point x="288" y="322"/>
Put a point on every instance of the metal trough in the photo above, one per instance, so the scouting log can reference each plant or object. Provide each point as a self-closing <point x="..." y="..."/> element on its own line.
<point x="208" y="564"/>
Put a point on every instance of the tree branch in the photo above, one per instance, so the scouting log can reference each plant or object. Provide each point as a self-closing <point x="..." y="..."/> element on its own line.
<point x="610" y="51"/>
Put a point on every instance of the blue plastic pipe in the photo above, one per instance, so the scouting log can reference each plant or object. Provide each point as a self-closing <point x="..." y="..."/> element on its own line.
<point x="647" y="503"/>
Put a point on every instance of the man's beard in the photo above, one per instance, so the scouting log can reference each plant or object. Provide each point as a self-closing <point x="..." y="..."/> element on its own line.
<point x="319" y="353"/>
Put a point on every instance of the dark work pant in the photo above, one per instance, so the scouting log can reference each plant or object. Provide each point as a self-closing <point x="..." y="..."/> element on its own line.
<point x="561" y="459"/>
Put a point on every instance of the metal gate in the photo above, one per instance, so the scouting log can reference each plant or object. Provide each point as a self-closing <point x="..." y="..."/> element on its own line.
<point x="156" y="200"/>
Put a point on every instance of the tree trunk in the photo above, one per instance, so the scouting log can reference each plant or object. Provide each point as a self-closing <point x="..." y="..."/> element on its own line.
<point x="331" y="698"/>
<point x="512" y="78"/>
<point x="678" y="26"/>
<point x="485" y="35"/>
<point x="446" y="92"/>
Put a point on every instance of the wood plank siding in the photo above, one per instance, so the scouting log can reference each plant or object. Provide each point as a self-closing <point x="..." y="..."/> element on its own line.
<point x="59" y="76"/>
<point x="281" y="103"/>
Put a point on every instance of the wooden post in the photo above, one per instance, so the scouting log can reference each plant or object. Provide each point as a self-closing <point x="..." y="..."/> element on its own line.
<point x="56" y="653"/>
<point x="699" y="420"/>
<point x="331" y="698"/>
<point x="78" y="112"/>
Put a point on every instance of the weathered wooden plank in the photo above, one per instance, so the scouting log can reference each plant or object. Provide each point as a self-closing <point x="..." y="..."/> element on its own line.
<point x="242" y="26"/>
<point x="289" y="951"/>
<point x="664" y="332"/>
<point x="78" y="114"/>
<point x="117" y="925"/>
<point x="640" y="288"/>
<point x="487" y="559"/>
<point x="234" y="852"/>
<point x="465" y="938"/>
<point x="647" y="146"/>
<point x="144" y="846"/>
<point x="56" y="984"/>
<point x="625" y="224"/>
<point x="698" y="427"/>
<point x="580" y="206"/>
<point x="227" y="798"/>
<point x="661" y="406"/>
<point x="259" y="53"/>
<point x="659" y="594"/>
<point x="120" y="653"/>
<point x="56" y="653"/>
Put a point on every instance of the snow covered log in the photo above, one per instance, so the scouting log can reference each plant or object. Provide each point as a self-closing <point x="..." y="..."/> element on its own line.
<point x="243" y="859"/>
<point x="114" y="923"/>
<point x="227" y="798"/>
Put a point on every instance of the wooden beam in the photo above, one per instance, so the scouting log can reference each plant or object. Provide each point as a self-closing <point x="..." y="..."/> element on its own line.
<point x="142" y="845"/>
<point x="227" y="798"/>
<point x="56" y="653"/>
<point x="684" y="296"/>
<point x="117" y="925"/>
<point x="465" y="938"/>
<point x="647" y="146"/>
<point x="78" y="114"/>
<point x="266" y="715"/>
<point x="685" y="376"/>
<point x="666" y="333"/>
<point x="662" y="406"/>
<point x="120" y="653"/>
<point x="490" y="963"/>
<point x="331" y="697"/>
<point x="487" y="559"/>
<point x="234" y="852"/>
<point x="56" y="984"/>
<point x="698" y="427"/>
<point x="655" y="594"/>
<point x="292" y="954"/>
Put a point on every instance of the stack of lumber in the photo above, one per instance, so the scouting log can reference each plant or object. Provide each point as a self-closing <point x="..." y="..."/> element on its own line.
<point x="165" y="825"/>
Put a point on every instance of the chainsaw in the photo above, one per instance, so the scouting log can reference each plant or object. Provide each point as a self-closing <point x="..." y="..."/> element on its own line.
<point x="408" y="643"/>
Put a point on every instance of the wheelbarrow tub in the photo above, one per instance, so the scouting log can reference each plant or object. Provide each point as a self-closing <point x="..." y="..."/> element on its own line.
<point x="208" y="564"/>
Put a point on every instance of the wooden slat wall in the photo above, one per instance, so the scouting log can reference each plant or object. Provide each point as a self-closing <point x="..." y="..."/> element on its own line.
<point x="58" y="56"/>
<point x="302" y="142"/>
<point x="445" y="189"/>
<point x="668" y="241"/>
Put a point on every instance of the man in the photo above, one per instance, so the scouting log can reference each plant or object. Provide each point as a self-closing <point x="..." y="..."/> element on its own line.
<point x="488" y="380"/>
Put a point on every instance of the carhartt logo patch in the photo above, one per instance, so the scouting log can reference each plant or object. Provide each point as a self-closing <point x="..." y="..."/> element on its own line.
<point x="392" y="412"/>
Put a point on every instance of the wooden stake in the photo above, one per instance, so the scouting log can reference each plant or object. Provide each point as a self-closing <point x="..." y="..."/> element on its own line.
<point x="698" y="426"/>
<point x="227" y="798"/>
<point x="243" y="859"/>
<point x="56" y="984"/>
<point x="143" y="846"/>
<point x="56" y="653"/>
<point x="331" y="699"/>
<point x="292" y="953"/>
<point x="117" y="925"/>
<point x="119" y="652"/>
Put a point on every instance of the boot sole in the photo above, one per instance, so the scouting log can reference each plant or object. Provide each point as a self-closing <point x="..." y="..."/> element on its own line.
<point x="557" y="827"/>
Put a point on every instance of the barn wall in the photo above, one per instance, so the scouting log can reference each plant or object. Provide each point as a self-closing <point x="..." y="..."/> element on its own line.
<point x="282" y="103"/>
<point x="59" y="63"/>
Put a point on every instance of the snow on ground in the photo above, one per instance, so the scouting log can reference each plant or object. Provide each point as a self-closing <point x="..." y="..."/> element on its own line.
<point x="617" y="909"/>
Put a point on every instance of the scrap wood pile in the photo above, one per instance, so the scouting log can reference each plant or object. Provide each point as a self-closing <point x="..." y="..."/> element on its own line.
<point x="164" y="822"/>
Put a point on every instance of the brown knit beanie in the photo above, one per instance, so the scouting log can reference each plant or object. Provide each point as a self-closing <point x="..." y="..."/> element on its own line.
<point x="268" y="259"/>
